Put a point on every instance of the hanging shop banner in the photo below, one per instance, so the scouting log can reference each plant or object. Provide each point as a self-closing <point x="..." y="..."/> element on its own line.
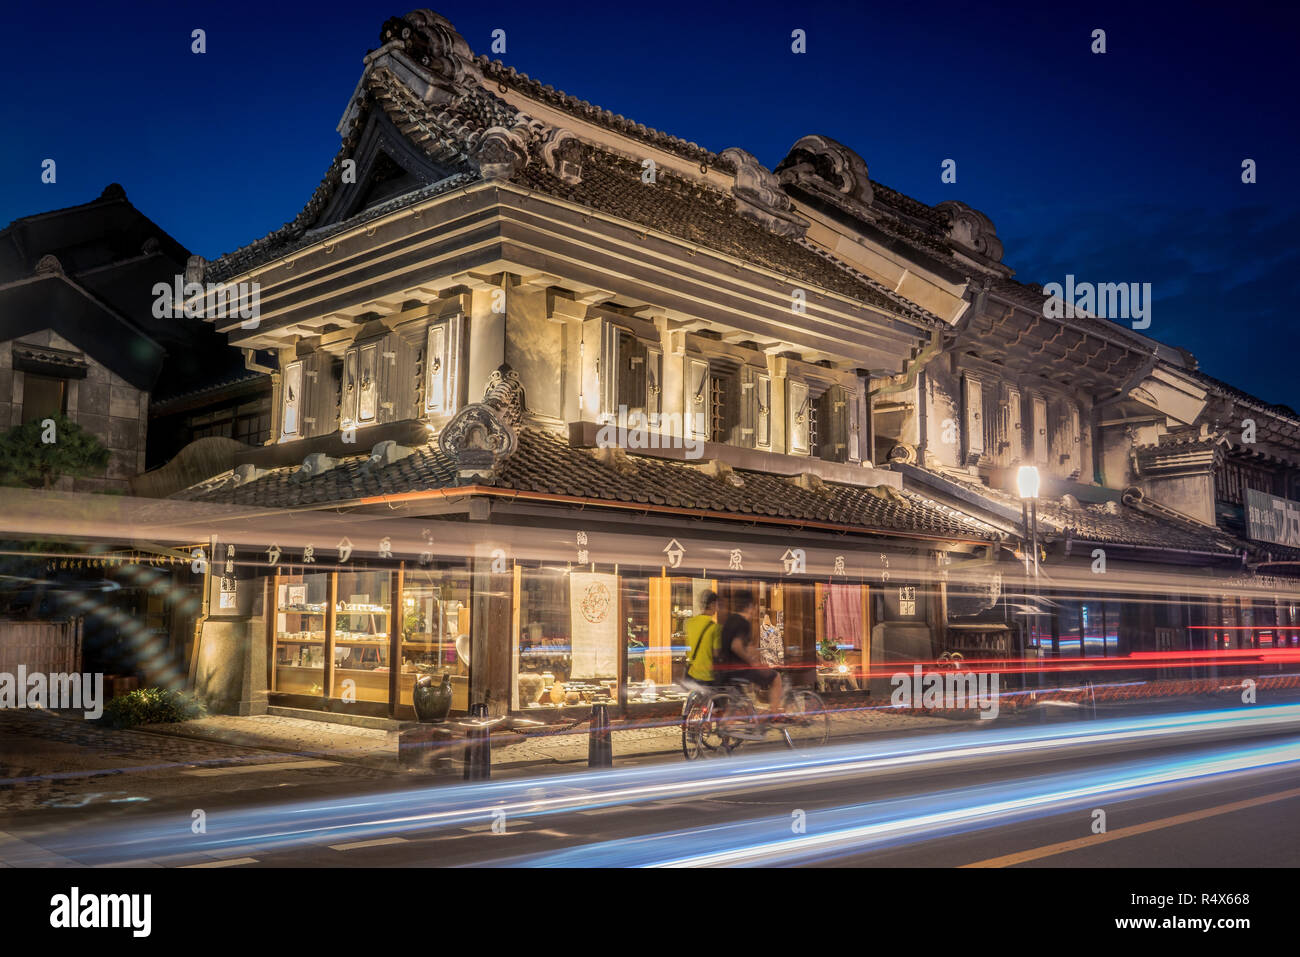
<point x="593" y="612"/>
<point x="1272" y="519"/>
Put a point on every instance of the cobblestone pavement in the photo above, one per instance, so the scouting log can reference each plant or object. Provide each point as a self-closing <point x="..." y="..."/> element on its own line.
<point x="51" y="760"/>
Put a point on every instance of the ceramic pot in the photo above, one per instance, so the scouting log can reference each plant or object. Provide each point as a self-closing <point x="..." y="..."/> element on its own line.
<point x="557" y="693"/>
<point x="432" y="701"/>
<point x="530" y="688"/>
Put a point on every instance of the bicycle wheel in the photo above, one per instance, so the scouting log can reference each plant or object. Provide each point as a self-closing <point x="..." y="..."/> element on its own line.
<point x="692" y="727"/>
<point x="731" y="720"/>
<point x="809" y="725"/>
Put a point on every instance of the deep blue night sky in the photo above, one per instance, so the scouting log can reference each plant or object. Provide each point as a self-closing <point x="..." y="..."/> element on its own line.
<point x="1123" y="167"/>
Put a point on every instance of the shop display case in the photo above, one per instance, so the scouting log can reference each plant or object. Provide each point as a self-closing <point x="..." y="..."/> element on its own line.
<point x="362" y="634"/>
<point x="298" y="656"/>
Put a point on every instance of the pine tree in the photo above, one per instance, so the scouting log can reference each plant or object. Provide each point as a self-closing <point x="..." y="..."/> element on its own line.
<point x="37" y="454"/>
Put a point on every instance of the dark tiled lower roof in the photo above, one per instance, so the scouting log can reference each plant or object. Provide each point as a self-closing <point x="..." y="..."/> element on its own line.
<point x="1110" y="523"/>
<point x="546" y="464"/>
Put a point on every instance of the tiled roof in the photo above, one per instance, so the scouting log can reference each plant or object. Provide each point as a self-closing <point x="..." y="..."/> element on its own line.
<point x="709" y="218"/>
<point x="497" y="71"/>
<point x="1109" y="523"/>
<point x="1232" y="392"/>
<point x="547" y="465"/>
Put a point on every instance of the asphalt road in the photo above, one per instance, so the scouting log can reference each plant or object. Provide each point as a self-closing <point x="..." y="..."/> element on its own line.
<point x="1222" y="792"/>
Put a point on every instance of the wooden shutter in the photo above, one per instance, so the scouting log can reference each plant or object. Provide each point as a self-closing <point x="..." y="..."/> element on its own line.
<point x="291" y="400"/>
<point x="1039" y="407"/>
<point x="1015" y="436"/>
<point x="833" y="437"/>
<point x="695" y="404"/>
<point x="368" y="384"/>
<point x="435" y="374"/>
<point x="443" y="349"/>
<point x="396" y="378"/>
<point x="763" y="411"/>
<point x="349" y="389"/>
<point x="973" y="396"/>
<point x="855" y="426"/>
<point x="654" y="377"/>
<point x="801" y="413"/>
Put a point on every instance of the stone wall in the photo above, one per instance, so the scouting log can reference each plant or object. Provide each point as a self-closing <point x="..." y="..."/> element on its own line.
<point x="103" y="403"/>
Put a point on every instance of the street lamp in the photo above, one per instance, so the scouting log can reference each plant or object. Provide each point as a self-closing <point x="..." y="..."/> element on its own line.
<point x="1027" y="482"/>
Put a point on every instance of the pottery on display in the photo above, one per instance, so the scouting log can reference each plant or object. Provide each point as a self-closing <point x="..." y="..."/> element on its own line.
<point x="530" y="688"/>
<point x="557" y="693"/>
<point x="432" y="701"/>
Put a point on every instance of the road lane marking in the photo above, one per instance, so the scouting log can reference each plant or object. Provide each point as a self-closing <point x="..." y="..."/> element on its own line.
<point x="378" y="842"/>
<point x="1050" y="850"/>
<point x="248" y="768"/>
<point x="233" y="862"/>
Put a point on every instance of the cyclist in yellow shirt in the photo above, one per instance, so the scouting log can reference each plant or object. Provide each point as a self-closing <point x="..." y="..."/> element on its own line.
<point x="702" y="640"/>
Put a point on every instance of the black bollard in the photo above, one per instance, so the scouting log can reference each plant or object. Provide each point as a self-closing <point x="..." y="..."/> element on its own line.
<point x="600" y="747"/>
<point x="478" y="745"/>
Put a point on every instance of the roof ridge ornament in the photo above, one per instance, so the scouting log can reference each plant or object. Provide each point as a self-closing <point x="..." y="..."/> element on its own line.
<point x="826" y="166"/>
<point x="971" y="229"/>
<point x="759" y="195"/>
<point x="505" y="394"/>
<point x="432" y="42"/>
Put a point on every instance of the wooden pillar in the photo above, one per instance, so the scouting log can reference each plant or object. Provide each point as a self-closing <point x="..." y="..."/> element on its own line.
<point x="271" y="605"/>
<point x="489" y="636"/>
<point x="396" y="621"/>
<point x="331" y="614"/>
<point x="800" y="601"/>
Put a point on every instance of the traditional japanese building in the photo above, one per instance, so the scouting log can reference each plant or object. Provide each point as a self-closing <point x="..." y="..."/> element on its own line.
<point x="543" y="375"/>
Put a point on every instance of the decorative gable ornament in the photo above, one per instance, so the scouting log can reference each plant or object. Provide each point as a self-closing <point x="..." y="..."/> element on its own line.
<point x="49" y="265"/>
<point x="477" y="439"/>
<point x="759" y="195"/>
<point x="563" y="154"/>
<point x="481" y="435"/>
<point x="501" y="152"/>
<point x="431" y="42"/>
<point x="971" y="229"/>
<point x="822" y="165"/>
<point x="505" y="394"/>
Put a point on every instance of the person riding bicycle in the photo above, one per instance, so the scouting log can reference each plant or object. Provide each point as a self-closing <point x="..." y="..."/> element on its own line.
<point x="702" y="640"/>
<point x="740" y="657"/>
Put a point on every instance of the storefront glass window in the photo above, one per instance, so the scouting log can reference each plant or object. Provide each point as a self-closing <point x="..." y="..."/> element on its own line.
<point x="299" y="661"/>
<point x="435" y="630"/>
<point x="361" y="636"/>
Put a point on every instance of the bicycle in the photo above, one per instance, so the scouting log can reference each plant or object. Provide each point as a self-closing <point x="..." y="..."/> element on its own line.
<point x="719" y="720"/>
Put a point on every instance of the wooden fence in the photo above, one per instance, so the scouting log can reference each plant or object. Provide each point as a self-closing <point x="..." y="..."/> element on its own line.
<point x="52" y="647"/>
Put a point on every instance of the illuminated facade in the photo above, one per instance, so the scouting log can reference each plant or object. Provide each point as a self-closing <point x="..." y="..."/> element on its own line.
<point x="578" y="371"/>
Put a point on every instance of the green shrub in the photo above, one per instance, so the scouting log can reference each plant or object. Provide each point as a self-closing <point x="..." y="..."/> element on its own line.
<point x="151" y="706"/>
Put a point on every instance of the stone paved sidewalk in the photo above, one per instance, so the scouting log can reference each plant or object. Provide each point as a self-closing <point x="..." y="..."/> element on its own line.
<point x="378" y="749"/>
<point x="54" y="760"/>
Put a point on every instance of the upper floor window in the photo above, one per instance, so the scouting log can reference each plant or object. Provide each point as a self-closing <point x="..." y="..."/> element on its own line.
<point x="44" y="397"/>
<point x="640" y="368"/>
